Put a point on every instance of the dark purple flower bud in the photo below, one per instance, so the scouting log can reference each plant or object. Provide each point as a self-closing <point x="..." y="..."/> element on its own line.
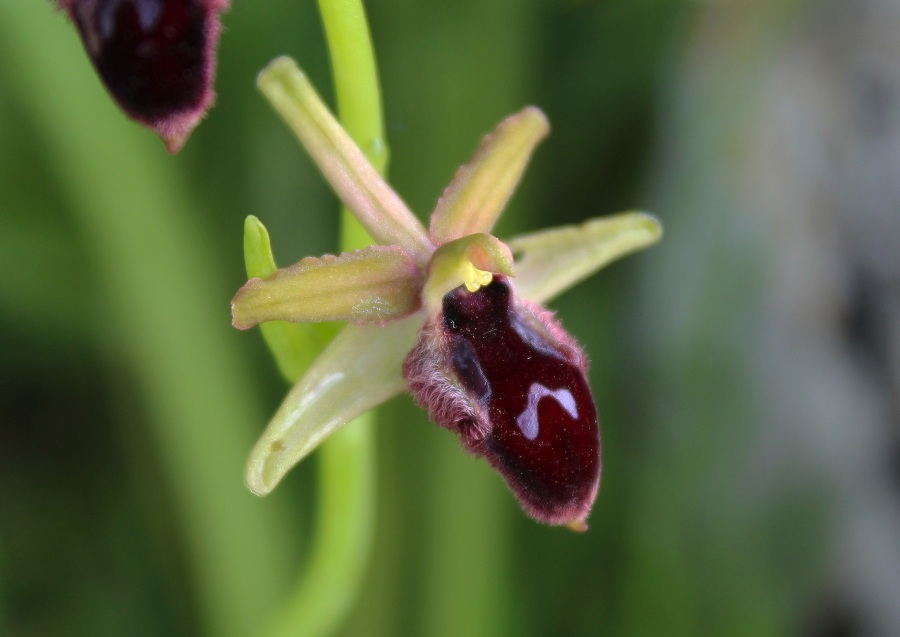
<point x="157" y="58"/>
<point x="504" y="375"/>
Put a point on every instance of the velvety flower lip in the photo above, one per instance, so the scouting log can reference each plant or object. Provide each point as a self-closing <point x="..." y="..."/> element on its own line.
<point x="450" y="314"/>
<point x="507" y="378"/>
<point x="157" y="58"/>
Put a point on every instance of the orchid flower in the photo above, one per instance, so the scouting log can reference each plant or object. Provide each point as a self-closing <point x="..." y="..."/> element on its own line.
<point x="157" y="58"/>
<point x="450" y="314"/>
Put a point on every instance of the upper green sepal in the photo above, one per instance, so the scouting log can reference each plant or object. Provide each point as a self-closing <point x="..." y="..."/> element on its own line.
<point x="360" y="187"/>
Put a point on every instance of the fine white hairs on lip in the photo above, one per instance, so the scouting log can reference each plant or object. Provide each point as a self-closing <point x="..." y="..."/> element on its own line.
<point x="528" y="419"/>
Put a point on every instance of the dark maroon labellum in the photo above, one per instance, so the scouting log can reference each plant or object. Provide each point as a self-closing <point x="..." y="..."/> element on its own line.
<point x="527" y="408"/>
<point x="156" y="57"/>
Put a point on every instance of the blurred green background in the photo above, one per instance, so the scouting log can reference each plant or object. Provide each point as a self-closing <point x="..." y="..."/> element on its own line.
<point x="747" y="369"/>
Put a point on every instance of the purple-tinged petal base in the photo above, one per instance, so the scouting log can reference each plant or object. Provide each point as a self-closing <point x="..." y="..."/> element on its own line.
<point x="506" y="377"/>
<point x="157" y="58"/>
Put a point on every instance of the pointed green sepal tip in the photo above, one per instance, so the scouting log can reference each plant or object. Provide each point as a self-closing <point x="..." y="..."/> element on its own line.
<point x="258" y="257"/>
<point x="551" y="261"/>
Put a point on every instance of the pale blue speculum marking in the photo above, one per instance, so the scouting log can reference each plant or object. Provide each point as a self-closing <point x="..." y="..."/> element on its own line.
<point x="148" y="14"/>
<point x="528" y="419"/>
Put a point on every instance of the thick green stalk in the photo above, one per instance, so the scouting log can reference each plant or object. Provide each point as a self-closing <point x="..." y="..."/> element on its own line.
<point x="342" y="536"/>
<point x="345" y="519"/>
<point x="357" y="91"/>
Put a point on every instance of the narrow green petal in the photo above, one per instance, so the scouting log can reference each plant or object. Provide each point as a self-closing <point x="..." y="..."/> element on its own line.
<point x="478" y="193"/>
<point x="361" y="368"/>
<point x="551" y="261"/>
<point x="372" y="285"/>
<point x="359" y="186"/>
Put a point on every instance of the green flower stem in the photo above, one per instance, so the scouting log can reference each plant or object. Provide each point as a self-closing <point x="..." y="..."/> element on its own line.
<point x="345" y="519"/>
<point x="342" y="535"/>
<point x="357" y="91"/>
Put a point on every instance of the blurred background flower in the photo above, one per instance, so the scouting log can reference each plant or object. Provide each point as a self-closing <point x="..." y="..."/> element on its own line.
<point x="747" y="370"/>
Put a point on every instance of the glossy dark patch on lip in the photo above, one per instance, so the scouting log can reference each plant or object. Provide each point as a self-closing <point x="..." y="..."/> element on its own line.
<point x="541" y="431"/>
<point x="156" y="57"/>
<point x="151" y="54"/>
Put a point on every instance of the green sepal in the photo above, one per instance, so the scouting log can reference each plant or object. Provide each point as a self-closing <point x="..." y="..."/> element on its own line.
<point x="361" y="368"/>
<point x="550" y="261"/>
